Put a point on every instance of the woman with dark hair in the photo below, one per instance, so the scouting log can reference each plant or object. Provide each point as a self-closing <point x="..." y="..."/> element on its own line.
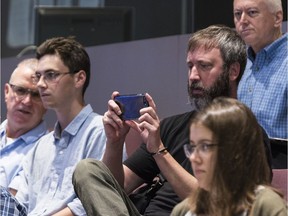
<point x="228" y="160"/>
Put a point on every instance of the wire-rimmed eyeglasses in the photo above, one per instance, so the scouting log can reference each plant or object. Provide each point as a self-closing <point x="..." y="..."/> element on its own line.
<point x="49" y="76"/>
<point x="202" y="148"/>
<point x="22" y="92"/>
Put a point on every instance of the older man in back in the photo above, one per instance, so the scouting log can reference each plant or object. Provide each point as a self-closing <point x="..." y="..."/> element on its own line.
<point x="263" y="87"/>
<point x="24" y="124"/>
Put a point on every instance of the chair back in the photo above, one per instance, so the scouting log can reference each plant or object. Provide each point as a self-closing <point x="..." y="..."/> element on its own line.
<point x="279" y="180"/>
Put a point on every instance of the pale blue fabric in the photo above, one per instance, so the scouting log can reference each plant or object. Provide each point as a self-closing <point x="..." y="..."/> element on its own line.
<point x="263" y="87"/>
<point x="11" y="155"/>
<point x="47" y="172"/>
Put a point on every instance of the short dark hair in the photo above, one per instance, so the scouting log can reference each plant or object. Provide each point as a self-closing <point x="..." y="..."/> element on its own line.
<point x="71" y="52"/>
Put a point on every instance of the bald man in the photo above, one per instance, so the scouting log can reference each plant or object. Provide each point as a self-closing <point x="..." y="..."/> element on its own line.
<point x="24" y="124"/>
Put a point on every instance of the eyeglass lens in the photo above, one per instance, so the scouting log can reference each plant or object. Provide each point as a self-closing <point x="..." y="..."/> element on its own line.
<point x="22" y="92"/>
<point x="202" y="148"/>
<point x="49" y="76"/>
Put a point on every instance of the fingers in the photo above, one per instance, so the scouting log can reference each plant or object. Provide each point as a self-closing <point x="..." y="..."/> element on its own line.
<point x="149" y="120"/>
<point x="151" y="109"/>
<point x="149" y="123"/>
<point x="150" y="101"/>
<point x="114" y="94"/>
<point x="113" y="107"/>
<point x="111" y="118"/>
<point x="134" y="125"/>
<point x="112" y="115"/>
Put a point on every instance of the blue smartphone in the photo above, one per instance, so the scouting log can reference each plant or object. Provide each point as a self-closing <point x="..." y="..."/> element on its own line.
<point x="130" y="105"/>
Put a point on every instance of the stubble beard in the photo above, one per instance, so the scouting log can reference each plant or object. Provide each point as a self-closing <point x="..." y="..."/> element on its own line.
<point x="221" y="88"/>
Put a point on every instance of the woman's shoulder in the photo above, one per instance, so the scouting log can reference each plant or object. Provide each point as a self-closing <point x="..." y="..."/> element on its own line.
<point x="269" y="203"/>
<point x="182" y="209"/>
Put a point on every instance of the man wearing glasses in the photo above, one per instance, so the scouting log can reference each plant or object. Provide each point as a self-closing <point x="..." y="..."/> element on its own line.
<point x="20" y="131"/>
<point x="24" y="124"/>
<point x="62" y="77"/>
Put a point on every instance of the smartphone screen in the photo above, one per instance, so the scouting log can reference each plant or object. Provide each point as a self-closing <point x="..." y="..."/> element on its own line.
<point x="131" y="105"/>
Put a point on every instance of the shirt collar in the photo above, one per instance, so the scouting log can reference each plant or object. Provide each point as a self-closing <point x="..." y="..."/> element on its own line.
<point x="74" y="125"/>
<point x="270" y="50"/>
<point x="31" y="136"/>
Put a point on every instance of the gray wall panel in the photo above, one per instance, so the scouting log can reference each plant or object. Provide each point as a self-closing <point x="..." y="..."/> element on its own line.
<point x="157" y="66"/>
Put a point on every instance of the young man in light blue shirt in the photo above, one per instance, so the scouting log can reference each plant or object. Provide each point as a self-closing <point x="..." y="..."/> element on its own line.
<point x="24" y="124"/>
<point x="62" y="77"/>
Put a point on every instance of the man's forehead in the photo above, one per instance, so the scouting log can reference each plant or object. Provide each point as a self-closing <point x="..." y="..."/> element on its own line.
<point x="50" y="62"/>
<point x="22" y="72"/>
<point x="55" y="59"/>
<point x="246" y="4"/>
<point x="202" y="51"/>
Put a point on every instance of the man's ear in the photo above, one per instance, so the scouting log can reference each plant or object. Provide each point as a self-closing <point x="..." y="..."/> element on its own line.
<point x="234" y="71"/>
<point x="278" y="18"/>
<point x="6" y="91"/>
<point x="80" y="78"/>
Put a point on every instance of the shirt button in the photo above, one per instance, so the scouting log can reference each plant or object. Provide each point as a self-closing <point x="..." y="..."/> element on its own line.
<point x="61" y="152"/>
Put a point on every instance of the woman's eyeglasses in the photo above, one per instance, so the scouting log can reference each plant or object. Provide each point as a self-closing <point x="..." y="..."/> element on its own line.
<point x="202" y="148"/>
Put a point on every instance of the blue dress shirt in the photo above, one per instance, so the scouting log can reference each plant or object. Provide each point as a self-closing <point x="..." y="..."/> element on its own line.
<point x="263" y="87"/>
<point x="11" y="155"/>
<point x="47" y="170"/>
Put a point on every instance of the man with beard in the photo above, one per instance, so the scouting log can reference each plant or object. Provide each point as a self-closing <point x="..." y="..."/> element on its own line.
<point x="216" y="59"/>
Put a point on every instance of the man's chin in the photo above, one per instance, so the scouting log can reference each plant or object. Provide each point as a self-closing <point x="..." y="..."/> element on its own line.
<point x="200" y="102"/>
<point x="197" y="96"/>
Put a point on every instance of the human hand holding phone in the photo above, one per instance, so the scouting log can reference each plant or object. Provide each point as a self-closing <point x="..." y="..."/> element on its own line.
<point x="131" y="105"/>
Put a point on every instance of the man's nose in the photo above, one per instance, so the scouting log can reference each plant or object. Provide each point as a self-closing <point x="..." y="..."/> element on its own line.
<point x="27" y="99"/>
<point x="243" y="18"/>
<point x="193" y="74"/>
<point x="41" y="82"/>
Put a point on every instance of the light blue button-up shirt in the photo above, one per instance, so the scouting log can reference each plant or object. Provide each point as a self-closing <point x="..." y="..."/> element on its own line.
<point x="263" y="87"/>
<point x="47" y="170"/>
<point x="11" y="155"/>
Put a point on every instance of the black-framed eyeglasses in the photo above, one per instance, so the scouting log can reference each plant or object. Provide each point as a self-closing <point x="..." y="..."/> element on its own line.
<point x="22" y="92"/>
<point x="49" y="76"/>
<point x="202" y="148"/>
